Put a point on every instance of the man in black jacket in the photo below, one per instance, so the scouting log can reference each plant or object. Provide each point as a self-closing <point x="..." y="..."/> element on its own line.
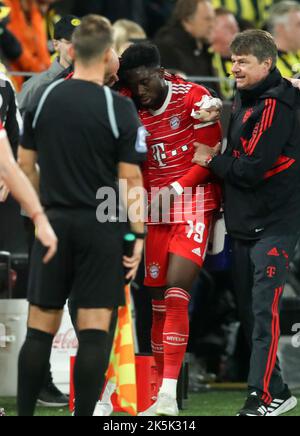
<point x="261" y="174"/>
<point x="131" y="9"/>
<point x="184" y="42"/>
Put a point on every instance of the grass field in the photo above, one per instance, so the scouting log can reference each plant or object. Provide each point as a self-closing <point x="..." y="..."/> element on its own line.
<point x="215" y="403"/>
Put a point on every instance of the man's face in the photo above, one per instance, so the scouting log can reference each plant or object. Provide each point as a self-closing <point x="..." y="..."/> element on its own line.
<point x="62" y="46"/>
<point x="290" y="32"/>
<point x="201" y="25"/>
<point x="225" y="30"/>
<point x="248" y="71"/>
<point x="111" y="71"/>
<point x="147" y="86"/>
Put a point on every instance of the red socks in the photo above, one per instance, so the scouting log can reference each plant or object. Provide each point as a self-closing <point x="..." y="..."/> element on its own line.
<point x="170" y="333"/>
<point x="159" y="317"/>
<point x="176" y="331"/>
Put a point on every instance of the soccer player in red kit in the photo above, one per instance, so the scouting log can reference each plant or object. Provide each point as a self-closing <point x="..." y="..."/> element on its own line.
<point x="177" y="242"/>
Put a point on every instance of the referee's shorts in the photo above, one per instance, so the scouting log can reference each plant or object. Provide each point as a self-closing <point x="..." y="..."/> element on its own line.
<point x="87" y="267"/>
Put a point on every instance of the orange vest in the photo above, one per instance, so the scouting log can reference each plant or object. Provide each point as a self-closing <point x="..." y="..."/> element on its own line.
<point x="32" y="36"/>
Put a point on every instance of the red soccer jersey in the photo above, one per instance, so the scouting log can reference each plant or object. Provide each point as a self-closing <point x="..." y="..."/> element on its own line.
<point x="172" y="131"/>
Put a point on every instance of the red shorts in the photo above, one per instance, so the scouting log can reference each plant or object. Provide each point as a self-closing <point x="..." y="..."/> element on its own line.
<point x="186" y="240"/>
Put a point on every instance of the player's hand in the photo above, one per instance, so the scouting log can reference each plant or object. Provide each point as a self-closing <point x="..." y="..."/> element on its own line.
<point x="212" y="115"/>
<point x="162" y="202"/>
<point x="133" y="263"/>
<point x="4" y="192"/>
<point x="209" y="110"/>
<point x="204" y="152"/>
<point x="45" y="234"/>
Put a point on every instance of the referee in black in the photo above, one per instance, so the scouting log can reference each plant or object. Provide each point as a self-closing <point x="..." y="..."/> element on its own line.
<point x="261" y="174"/>
<point x="84" y="138"/>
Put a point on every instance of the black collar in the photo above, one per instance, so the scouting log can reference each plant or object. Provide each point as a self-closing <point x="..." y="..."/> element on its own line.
<point x="257" y="91"/>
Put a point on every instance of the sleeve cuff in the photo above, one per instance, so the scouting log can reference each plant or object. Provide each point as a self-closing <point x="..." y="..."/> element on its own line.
<point x="178" y="188"/>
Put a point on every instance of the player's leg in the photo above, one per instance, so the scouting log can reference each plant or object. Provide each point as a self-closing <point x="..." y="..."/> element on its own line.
<point x="158" y="322"/>
<point x="181" y="276"/>
<point x="34" y="357"/>
<point x="156" y="263"/>
<point x="187" y="247"/>
<point x="97" y="288"/>
<point x="50" y="395"/>
<point x="92" y="358"/>
<point x="47" y="294"/>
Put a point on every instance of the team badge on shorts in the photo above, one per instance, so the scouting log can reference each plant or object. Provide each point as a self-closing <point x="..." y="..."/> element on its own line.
<point x="175" y="123"/>
<point x="154" y="270"/>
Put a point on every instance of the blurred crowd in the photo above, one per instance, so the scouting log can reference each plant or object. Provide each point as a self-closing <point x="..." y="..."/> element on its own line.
<point x="193" y="35"/>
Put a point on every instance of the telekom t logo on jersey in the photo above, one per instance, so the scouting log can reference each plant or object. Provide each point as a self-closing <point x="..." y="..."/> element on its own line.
<point x="271" y="271"/>
<point x="159" y="154"/>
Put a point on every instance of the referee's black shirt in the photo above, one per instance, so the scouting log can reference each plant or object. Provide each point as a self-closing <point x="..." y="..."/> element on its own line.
<point x="78" y="152"/>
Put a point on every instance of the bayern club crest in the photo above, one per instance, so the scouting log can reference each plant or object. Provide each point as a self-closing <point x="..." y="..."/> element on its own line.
<point x="154" y="270"/>
<point x="175" y="123"/>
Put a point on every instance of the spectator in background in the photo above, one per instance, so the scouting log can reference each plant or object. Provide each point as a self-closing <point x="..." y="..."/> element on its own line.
<point x="158" y="13"/>
<point x="134" y="10"/>
<point x="127" y="32"/>
<point x="10" y="48"/>
<point x="225" y="30"/>
<point x="184" y="42"/>
<point x="63" y="32"/>
<point x="248" y="12"/>
<point x="51" y="18"/>
<point x="28" y="26"/>
<point x="284" y="24"/>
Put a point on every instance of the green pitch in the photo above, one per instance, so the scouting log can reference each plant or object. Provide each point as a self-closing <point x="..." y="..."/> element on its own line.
<point x="210" y="404"/>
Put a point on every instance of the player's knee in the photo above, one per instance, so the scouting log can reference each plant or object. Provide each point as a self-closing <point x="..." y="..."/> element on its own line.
<point x="94" y="319"/>
<point x="45" y="320"/>
<point x="178" y="283"/>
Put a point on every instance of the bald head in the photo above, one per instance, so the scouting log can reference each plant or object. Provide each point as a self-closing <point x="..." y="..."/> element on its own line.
<point x="112" y="68"/>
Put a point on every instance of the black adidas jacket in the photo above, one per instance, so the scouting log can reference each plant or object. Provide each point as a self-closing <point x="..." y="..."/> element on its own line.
<point x="261" y="166"/>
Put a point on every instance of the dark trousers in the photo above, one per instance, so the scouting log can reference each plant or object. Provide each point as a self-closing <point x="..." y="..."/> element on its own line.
<point x="260" y="271"/>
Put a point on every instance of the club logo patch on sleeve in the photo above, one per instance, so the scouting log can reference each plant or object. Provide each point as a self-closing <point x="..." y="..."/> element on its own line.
<point x="141" y="144"/>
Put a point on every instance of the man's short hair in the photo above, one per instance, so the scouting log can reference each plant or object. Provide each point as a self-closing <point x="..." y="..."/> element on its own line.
<point x="279" y="13"/>
<point x="257" y="43"/>
<point x="186" y="9"/>
<point x="140" y="55"/>
<point x="222" y="11"/>
<point x="92" y="38"/>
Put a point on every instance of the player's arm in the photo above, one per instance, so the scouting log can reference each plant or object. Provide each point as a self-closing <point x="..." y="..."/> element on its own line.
<point x="24" y="193"/>
<point x="205" y="114"/>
